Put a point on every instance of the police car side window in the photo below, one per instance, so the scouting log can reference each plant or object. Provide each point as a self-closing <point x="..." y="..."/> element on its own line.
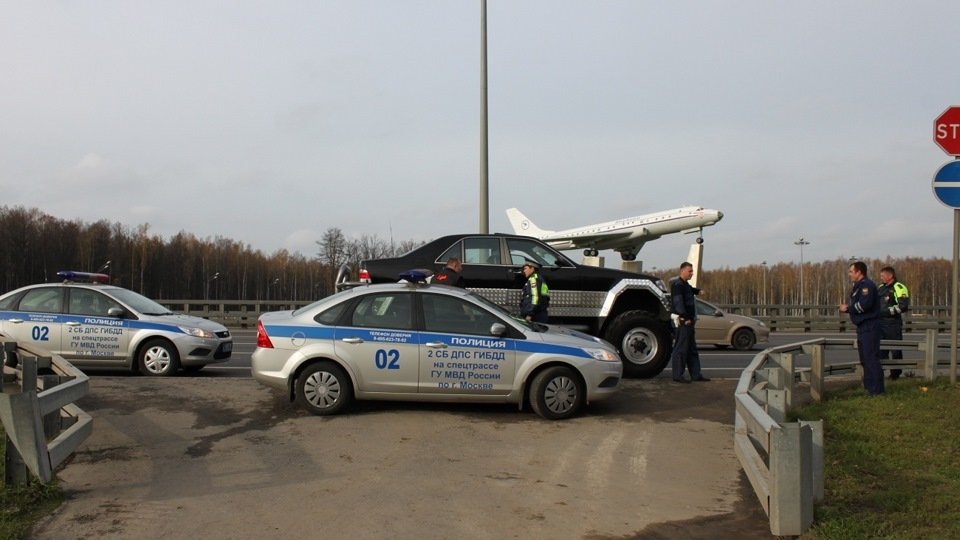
<point x="330" y="316"/>
<point x="389" y="310"/>
<point x="454" y="316"/>
<point x="44" y="299"/>
<point x="88" y="302"/>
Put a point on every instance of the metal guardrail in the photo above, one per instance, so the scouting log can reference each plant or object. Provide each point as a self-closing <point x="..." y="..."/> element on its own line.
<point x="43" y="425"/>
<point x="784" y="460"/>
<point x="807" y="319"/>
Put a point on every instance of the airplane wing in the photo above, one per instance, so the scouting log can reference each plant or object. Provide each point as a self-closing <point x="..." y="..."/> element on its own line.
<point x="600" y="241"/>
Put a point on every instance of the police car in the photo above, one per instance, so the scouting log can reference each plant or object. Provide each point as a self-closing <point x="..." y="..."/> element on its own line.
<point x="92" y="324"/>
<point x="414" y="341"/>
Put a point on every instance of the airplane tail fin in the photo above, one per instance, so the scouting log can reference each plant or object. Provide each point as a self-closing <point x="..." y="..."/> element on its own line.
<point x="522" y="225"/>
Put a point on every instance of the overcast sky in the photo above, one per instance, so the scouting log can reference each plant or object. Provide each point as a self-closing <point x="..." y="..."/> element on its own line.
<point x="270" y="122"/>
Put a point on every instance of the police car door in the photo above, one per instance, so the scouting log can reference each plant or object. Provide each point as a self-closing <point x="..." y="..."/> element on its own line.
<point x="378" y="342"/>
<point x="89" y="330"/>
<point x="458" y="353"/>
<point x="36" y="318"/>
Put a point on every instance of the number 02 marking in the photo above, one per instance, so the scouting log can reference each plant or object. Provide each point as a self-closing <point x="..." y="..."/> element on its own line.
<point x="40" y="333"/>
<point x="385" y="359"/>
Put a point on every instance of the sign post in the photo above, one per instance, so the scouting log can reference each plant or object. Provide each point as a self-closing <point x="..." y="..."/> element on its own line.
<point x="946" y="186"/>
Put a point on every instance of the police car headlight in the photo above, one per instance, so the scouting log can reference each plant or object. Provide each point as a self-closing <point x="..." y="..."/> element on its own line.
<point x="197" y="332"/>
<point x="603" y="355"/>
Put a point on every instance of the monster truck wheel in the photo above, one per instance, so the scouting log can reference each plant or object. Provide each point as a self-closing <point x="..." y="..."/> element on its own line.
<point x="643" y="342"/>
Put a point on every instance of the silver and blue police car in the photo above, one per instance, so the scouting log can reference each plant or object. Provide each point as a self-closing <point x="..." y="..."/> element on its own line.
<point x="92" y="324"/>
<point x="413" y="341"/>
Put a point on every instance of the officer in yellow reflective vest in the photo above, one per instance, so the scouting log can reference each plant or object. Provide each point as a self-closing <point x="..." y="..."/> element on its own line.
<point x="536" y="294"/>
<point x="894" y="301"/>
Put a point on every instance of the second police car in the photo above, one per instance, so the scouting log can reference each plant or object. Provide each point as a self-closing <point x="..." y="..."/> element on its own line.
<point x="411" y="341"/>
<point x="91" y="324"/>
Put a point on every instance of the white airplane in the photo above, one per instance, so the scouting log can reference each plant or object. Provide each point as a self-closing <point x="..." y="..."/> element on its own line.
<point x="626" y="236"/>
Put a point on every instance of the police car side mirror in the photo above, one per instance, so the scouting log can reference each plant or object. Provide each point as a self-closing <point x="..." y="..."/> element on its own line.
<point x="498" y="329"/>
<point x="115" y="312"/>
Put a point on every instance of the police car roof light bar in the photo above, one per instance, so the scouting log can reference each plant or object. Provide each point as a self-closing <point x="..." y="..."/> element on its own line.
<point x="418" y="275"/>
<point x="83" y="277"/>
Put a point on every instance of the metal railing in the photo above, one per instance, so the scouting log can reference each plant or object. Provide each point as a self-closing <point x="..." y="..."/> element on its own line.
<point x="779" y="318"/>
<point x="43" y="425"/>
<point x="784" y="460"/>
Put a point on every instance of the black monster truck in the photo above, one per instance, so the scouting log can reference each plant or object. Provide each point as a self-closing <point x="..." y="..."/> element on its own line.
<point x="629" y="310"/>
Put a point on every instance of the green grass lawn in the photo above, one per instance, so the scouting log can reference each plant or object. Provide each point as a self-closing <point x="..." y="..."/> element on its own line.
<point x="892" y="463"/>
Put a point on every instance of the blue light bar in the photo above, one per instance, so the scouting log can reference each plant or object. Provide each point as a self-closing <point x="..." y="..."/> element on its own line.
<point x="83" y="277"/>
<point x="417" y="275"/>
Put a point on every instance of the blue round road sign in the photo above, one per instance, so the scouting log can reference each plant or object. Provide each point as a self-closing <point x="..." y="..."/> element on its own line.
<point x="946" y="184"/>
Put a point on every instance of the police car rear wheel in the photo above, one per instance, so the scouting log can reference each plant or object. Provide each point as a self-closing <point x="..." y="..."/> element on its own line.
<point x="324" y="389"/>
<point x="158" y="358"/>
<point x="556" y="393"/>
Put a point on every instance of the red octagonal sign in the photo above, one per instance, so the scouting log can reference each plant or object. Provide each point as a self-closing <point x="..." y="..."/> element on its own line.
<point x="946" y="131"/>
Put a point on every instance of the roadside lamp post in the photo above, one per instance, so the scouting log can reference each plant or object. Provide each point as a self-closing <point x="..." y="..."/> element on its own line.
<point x="206" y="291"/>
<point x="801" y="242"/>
<point x="764" y="265"/>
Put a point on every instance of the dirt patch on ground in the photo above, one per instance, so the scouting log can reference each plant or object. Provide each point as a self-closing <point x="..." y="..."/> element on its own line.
<point x="228" y="458"/>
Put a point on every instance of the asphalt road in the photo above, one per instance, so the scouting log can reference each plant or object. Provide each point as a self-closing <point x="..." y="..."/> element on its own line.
<point x="225" y="457"/>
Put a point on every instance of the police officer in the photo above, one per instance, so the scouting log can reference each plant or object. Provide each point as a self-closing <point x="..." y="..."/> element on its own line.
<point x="864" y="309"/>
<point x="684" y="304"/>
<point x="536" y="295"/>
<point x="894" y="301"/>
<point x="451" y="274"/>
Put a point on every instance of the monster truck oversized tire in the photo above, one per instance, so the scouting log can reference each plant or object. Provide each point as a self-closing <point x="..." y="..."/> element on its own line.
<point x="643" y="341"/>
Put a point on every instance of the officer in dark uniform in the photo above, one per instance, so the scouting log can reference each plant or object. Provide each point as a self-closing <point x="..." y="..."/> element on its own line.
<point x="864" y="309"/>
<point x="684" y="304"/>
<point x="450" y="275"/>
<point x="536" y="295"/>
<point x="894" y="301"/>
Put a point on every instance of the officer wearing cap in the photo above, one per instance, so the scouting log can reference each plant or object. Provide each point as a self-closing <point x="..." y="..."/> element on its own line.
<point x="536" y="295"/>
<point x="864" y="309"/>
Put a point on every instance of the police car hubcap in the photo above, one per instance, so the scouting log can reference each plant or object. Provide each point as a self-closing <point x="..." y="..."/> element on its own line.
<point x="322" y="389"/>
<point x="560" y="394"/>
<point x="157" y="360"/>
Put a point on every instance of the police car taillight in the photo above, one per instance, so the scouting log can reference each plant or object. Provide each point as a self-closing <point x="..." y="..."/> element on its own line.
<point x="364" y="276"/>
<point x="263" y="340"/>
<point x="83" y="277"/>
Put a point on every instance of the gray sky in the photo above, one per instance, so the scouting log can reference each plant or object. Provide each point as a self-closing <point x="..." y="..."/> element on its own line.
<point x="269" y="122"/>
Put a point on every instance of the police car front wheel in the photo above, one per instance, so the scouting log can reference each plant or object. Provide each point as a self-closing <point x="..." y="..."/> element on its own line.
<point x="158" y="357"/>
<point x="556" y="393"/>
<point x="324" y="389"/>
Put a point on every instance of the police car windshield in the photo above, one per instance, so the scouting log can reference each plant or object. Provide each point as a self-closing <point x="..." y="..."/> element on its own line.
<point x="139" y="303"/>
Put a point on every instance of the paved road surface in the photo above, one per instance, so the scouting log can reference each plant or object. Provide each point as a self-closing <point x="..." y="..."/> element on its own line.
<point x="224" y="457"/>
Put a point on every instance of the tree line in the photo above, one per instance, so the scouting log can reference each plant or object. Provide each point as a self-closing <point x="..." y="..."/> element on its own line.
<point x="34" y="246"/>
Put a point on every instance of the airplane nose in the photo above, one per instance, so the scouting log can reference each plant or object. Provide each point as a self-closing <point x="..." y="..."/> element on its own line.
<point x="719" y="215"/>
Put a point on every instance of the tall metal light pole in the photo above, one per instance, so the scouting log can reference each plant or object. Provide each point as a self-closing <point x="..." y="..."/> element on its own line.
<point x="801" y="242"/>
<point x="484" y="180"/>
<point x="764" y="265"/>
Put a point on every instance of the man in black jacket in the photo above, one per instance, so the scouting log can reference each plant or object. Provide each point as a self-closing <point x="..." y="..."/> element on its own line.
<point x="450" y="275"/>
<point x="684" y="303"/>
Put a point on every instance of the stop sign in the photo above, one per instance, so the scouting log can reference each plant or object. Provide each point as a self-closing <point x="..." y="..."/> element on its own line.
<point x="946" y="131"/>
